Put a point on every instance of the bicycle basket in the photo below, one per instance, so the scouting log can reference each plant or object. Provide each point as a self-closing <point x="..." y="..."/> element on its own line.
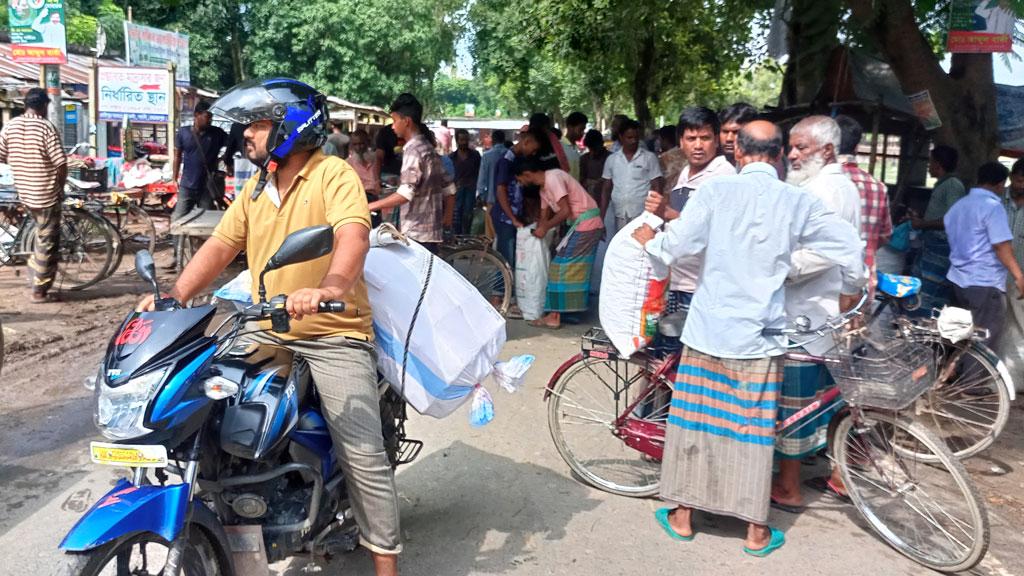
<point x="889" y="375"/>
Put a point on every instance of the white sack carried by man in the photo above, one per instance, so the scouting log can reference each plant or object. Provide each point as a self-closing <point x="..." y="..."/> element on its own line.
<point x="632" y="293"/>
<point x="456" y="333"/>
<point x="532" y="260"/>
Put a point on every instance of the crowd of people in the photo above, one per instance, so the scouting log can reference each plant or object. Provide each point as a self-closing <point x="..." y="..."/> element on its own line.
<point x="754" y="236"/>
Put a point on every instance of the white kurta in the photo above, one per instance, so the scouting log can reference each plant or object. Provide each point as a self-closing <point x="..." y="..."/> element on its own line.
<point x="815" y="282"/>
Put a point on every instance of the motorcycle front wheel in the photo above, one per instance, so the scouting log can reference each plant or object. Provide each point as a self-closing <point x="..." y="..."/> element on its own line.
<point x="142" y="555"/>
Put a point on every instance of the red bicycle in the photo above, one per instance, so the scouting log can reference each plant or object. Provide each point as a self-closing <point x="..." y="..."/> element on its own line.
<point x="607" y="416"/>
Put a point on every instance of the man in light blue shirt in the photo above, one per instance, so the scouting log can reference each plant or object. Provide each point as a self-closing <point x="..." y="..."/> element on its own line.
<point x="485" y="188"/>
<point x="720" y="432"/>
<point x="981" y="250"/>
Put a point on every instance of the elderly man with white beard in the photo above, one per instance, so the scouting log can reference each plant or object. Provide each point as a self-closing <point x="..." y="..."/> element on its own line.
<point x="816" y="288"/>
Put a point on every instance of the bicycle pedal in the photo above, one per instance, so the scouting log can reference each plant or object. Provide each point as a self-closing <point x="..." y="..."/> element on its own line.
<point x="408" y="450"/>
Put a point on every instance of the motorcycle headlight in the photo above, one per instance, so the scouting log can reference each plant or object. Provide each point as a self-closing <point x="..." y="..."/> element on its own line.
<point x="120" y="411"/>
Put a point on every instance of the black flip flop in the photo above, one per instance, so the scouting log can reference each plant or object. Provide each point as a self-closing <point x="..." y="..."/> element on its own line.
<point x="788" y="508"/>
<point x="823" y="484"/>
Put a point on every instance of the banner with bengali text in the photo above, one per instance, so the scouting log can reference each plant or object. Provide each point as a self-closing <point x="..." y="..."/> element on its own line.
<point x="154" y="48"/>
<point x="980" y="26"/>
<point x="37" y="29"/>
<point x="142" y="94"/>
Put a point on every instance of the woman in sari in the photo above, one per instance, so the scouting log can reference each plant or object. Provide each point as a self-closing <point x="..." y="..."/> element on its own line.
<point x="564" y="200"/>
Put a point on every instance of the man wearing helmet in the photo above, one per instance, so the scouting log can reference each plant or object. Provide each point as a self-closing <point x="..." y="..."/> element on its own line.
<point x="300" y="186"/>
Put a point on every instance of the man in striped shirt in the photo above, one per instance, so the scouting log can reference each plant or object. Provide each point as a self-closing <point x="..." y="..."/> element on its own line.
<point x="31" y="145"/>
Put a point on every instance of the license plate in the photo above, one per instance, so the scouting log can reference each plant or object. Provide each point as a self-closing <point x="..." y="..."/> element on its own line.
<point x="138" y="456"/>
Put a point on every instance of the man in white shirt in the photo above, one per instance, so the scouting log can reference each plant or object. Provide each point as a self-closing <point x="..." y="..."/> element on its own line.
<point x="629" y="175"/>
<point x="747" y="226"/>
<point x="698" y="129"/>
<point x="815" y="288"/>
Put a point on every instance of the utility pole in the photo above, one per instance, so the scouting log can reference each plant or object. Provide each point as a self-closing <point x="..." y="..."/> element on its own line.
<point x="50" y="81"/>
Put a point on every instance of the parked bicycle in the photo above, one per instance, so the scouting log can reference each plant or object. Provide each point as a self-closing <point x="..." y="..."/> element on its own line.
<point x="969" y="404"/>
<point x="607" y="418"/>
<point x="86" y="249"/>
<point x="131" y="227"/>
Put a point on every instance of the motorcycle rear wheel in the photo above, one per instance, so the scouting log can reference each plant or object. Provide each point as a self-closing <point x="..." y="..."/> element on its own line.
<point x="132" y="557"/>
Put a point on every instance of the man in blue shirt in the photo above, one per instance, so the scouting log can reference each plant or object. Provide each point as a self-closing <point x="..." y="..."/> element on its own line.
<point x="981" y="250"/>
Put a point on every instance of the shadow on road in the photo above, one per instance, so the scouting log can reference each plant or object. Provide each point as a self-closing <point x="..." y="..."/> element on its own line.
<point x="465" y="511"/>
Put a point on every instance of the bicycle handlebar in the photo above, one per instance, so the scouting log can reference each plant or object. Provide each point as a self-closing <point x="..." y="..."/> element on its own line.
<point x="830" y="325"/>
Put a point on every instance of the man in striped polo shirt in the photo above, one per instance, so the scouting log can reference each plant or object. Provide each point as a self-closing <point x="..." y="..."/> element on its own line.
<point x="31" y="145"/>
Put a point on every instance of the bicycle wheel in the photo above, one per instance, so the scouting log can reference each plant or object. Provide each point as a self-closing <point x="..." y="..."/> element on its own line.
<point x="969" y="404"/>
<point x="582" y="412"/>
<point x="10" y="226"/>
<point x="86" y="249"/>
<point x="929" y="512"/>
<point x="486" y="270"/>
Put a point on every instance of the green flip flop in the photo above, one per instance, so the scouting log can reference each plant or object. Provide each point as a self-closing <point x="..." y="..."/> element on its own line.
<point x="778" y="538"/>
<point x="661" y="515"/>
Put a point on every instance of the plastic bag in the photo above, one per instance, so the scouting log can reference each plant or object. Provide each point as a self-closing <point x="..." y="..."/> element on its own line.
<point x="239" y="289"/>
<point x="481" y="411"/>
<point x="511" y="374"/>
<point x="532" y="259"/>
<point x="632" y="291"/>
<point x="955" y="324"/>
<point x="900" y="239"/>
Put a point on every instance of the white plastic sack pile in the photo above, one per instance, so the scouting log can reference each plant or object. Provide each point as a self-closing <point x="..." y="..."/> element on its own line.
<point x="457" y="334"/>
<point x="632" y="292"/>
<point x="532" y="260"/>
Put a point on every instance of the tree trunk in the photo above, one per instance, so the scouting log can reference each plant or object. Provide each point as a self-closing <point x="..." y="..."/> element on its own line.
<point x="813" y="27"/>
<point x="964" y="98"/>
<point x="642" y="82"/>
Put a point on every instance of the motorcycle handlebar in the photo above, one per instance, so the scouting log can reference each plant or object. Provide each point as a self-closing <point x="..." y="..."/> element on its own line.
<point x="331" y="306"/>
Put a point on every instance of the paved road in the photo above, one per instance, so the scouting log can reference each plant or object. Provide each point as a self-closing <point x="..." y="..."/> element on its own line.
<point x="493" y="500"/>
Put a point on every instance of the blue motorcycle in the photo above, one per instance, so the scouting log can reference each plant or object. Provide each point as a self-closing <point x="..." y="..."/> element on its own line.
<point x="239" y="424"/>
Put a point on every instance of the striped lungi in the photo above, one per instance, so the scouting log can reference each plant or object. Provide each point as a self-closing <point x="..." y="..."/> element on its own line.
<point x="931" y="267"/>
<point x="569" y="272"/>
<point x="721" y="434"/>
<point x="803" y="383"/>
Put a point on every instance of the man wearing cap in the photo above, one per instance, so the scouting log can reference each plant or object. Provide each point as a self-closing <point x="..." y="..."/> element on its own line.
<point x="31" y="145"/>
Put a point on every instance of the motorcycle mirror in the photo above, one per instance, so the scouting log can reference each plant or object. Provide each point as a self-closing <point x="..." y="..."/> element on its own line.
<point x="300" y="246"/>
<point x="146" y="269"/>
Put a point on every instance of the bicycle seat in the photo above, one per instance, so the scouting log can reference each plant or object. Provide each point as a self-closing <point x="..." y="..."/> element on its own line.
<point x="82" y="184"/>
<point x="898" y="286"/>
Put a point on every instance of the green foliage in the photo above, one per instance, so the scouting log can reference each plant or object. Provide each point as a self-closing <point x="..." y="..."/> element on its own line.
<point x="451" y="94"/>
<point x="602" y="54"/>
<point x="358" y="50"/>
<point x="81" y="30"/>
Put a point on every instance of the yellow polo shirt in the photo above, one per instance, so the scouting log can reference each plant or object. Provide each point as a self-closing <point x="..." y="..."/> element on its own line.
<point x="326" y="191"/>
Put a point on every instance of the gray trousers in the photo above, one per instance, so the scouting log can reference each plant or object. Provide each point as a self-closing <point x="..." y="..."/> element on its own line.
<point x="987" y="306"/>
<point x="345" y="374"/>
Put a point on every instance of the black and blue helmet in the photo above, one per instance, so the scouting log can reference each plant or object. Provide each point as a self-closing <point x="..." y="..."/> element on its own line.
<point x="297" y="110"/>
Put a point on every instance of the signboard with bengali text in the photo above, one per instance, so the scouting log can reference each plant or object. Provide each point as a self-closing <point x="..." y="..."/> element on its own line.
<point x="980" y="26"/>
<point x="154" y="48"/>
<point x="142" y="94"/>
<point x="37" y="29"/>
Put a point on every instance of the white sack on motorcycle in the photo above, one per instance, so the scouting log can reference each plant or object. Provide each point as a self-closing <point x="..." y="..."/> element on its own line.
<point x="457" y="335"/>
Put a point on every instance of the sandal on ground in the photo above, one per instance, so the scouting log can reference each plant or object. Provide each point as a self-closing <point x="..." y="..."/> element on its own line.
<point x="661" y="515"/>
<point x="788" y="508"/>
<point x="824" y="485"/>
<point x="778" y="538"/>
